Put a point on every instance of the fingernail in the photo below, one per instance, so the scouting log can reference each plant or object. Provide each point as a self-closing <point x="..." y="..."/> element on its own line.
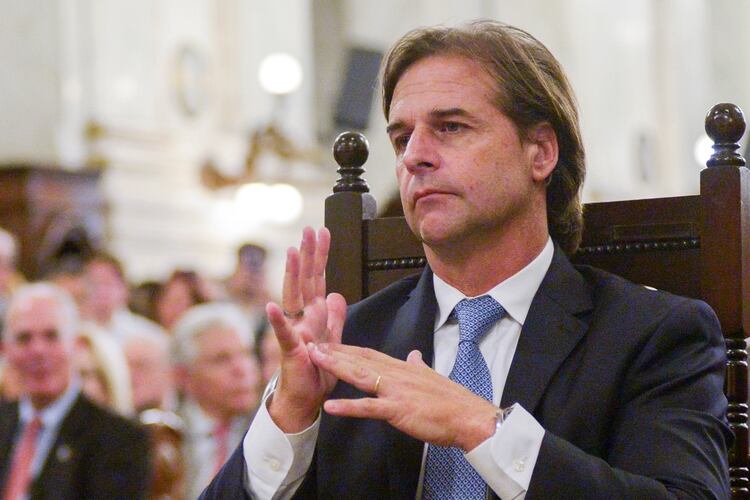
<point x="323" y="347"/>
<point x="311" y="346"/>
<point x="330" y="406"/>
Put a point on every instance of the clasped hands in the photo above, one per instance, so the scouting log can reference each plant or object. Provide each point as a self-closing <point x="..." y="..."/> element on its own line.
<point x="409" y="395"/>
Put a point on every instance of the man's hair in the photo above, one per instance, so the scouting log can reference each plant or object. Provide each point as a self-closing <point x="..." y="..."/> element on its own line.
<point x="531" y="89"/>
<point x="67" y="311"/>
<point x="201" y="318"/>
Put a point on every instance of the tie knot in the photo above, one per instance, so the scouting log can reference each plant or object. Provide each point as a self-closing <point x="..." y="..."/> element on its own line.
<point x="35" y="424"/>
<point x="476" y="315"/>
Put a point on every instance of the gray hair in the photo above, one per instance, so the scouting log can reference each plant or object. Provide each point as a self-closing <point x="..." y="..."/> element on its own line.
<point x="198" y="319"/>
<point x="67" y="311"/>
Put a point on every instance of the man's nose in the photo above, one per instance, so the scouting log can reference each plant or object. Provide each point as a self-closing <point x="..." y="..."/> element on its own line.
<point x="38" y="346"/>
<point x="421" y="152"/>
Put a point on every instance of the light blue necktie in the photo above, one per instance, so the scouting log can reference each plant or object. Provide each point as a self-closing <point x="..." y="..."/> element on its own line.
<point x="447" y="473"/>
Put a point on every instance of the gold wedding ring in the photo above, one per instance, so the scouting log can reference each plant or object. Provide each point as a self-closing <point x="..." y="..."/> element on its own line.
<point x="293" y="315"/>
<point x="377" y="385"/>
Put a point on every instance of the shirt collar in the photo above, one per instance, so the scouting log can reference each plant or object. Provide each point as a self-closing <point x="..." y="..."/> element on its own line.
<point x="52" y="414"/>
<point x="514" y="294"/>
<point x="201" y="423"/>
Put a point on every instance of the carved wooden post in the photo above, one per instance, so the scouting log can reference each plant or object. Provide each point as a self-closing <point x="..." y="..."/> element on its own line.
<point x="345" y="210"/>
<point x="725" y="189"/>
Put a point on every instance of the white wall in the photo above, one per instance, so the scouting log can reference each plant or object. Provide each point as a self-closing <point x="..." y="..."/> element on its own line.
<point x="645" y="73"/>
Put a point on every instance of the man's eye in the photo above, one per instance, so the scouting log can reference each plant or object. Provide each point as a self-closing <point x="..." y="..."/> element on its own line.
<point x="23" y="338"/>
<point x="400" y="142"/>
<point x="452" y="126"/>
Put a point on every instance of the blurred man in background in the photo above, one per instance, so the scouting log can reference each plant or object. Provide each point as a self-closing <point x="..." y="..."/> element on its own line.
<point x="152" y="379"/>
<point x="105" y="298"/>
<point x="247" y="286"/>
<point x="55" y="443"/>
<point x="221" y="380"/>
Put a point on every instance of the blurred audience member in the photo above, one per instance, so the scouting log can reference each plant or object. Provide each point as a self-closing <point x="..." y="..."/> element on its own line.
<point x="152" y="380"/>
<point x="220" y="377"/>
<point x="103" y="370"/>
<point x="183" y="290"/>
<point x="10" y="277"/>
<point x="54" y="442"/>
<point x="106" y="297"/>
<point x="142" y="299"/>
<point x="247" y="286"/>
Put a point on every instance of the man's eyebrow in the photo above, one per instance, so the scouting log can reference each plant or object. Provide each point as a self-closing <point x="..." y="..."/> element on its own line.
<point x="435" y="114"/>
<point x="393" y="127"/>
<point x="445" y="113"/>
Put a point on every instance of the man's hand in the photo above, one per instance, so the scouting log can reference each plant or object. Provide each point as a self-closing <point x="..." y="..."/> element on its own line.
<point x="307" y="316"/>
<point x="409" y="395"/>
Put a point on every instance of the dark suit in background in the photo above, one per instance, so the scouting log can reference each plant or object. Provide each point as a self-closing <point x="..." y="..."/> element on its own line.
<point x="627" y="383"/>
<point x="95" y="455"/>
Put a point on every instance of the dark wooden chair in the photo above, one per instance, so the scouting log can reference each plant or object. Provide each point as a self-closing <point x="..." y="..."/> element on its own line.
<point x="698" y="246"/>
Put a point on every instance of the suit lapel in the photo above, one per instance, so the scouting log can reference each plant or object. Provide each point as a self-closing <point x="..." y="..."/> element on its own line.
<point x="551" y="331"/>
<point x="64" y="453"/>
<point x="413" y="328"/>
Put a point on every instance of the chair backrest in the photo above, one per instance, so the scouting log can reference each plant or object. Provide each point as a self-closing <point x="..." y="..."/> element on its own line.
<point x="698" y="246"/>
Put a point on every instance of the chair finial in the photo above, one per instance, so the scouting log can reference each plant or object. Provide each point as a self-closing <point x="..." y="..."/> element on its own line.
<point x="350" y="150"/>
<point x="725" y="125"/>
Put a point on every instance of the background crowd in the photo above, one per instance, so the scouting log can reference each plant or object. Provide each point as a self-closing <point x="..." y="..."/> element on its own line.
<point x="185" y="359"/>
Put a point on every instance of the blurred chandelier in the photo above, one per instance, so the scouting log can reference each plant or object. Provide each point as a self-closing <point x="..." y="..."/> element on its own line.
<point x="279" y="74"/>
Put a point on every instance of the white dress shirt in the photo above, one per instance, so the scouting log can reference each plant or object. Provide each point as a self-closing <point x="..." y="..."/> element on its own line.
<point x="277" y="462"/>
<point x="51" y="417"/>
<point x="200" y="445"/>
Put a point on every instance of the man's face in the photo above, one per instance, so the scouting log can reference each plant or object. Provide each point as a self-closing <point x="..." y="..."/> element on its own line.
<point x="105" y="290"/>
<point x="38" y="351"/>
<point x="224" y="377"/>
<point x="464" y="174"/>
<point x="149" y="373"/>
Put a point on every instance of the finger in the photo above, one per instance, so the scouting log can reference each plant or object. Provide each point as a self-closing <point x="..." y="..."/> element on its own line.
<point x="336" y="304"/>
<point x="288" y="339"/>
<point x="307" y="264"/>
<point x="361" y="377"/>
<point x="361" y="355"/>
<point x="291" y="297"/>
<point x="321" y="259"/>
<point x="380" y="409"/>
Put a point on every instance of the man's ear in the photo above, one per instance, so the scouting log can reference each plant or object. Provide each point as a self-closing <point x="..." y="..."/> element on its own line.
<point x="544" y="151"/>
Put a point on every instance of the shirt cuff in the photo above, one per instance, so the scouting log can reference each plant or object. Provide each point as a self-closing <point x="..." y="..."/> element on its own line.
<point x="276" y="460"/>
<point x="506" y="460"/>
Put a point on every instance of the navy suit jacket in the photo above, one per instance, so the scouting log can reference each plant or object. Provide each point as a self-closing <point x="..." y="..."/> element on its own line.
<point x="96" y="455"/>
<point x="626" y="381"/>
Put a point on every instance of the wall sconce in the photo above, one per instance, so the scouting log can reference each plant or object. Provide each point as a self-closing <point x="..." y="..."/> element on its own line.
<point x="279" y="74"/>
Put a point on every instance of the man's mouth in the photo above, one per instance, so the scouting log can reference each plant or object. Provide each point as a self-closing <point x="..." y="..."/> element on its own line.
<point x="428" y="193"/>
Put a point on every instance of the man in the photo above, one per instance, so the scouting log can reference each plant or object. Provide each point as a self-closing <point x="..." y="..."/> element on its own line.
<point x="55" y="443"/>
<point x="152" y="379"/>
<point x="247" y="287"/>
<point x="547" y="381"/>
<point x="220" y="379"/>
<point x="105" y="298"/>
